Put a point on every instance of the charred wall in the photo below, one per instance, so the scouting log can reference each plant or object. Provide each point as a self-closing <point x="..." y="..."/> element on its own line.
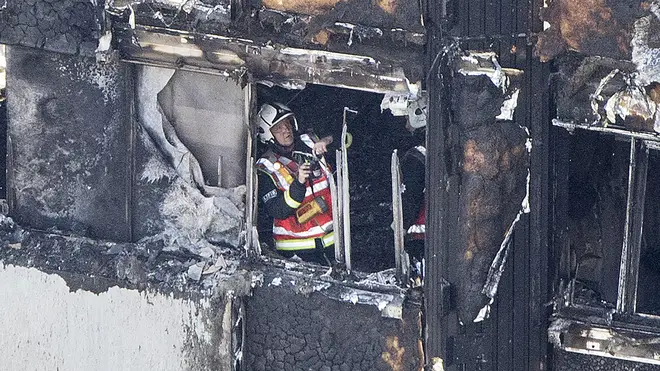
<point x="293" y="324"/>
<point x="355" y="27"/>
<point x="591" y="27"/>
<point x="67" y="26"/>
<point x="70" y="148"/>
<point x="493" y="166"/>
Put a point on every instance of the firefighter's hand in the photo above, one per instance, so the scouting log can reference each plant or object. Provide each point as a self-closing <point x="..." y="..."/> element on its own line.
<point x="303" y="172"/>
<point x="321" y="146"/>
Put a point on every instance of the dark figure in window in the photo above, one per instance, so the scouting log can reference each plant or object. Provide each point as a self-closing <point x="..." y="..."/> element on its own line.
<point x="412" y="199"/>
<point x="413" y="174"/>
<point x="294" y="186"/>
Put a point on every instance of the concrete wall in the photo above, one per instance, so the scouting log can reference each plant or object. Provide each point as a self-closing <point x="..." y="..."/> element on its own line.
<point x="47" y="326"/>
<point x="69" y="135"/>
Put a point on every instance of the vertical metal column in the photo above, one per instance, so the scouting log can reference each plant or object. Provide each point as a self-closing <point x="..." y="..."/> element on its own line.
<point x="438" y="187"/>
<point x="632" y="238"/>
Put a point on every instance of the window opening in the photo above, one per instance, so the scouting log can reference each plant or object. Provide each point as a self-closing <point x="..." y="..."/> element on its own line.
<point x="597" y="195"/>
<point x="612" y="238"/>
<point x="374" y="133"/>
<point x="613" y="251"/>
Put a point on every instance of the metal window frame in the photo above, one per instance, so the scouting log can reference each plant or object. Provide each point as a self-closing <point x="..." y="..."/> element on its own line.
<point x="640" y="143"/>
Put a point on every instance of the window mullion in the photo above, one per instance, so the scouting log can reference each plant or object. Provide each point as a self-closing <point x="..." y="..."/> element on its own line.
<point x="637" y="172"/>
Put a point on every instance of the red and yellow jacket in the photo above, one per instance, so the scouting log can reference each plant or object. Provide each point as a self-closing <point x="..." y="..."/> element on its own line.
<point x="283" y="195"/>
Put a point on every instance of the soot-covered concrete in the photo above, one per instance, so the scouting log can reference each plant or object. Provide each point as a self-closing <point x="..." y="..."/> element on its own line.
<point x="69" y="132"/>
<point x="65" y="26"/>
<point x="292" y="324"/>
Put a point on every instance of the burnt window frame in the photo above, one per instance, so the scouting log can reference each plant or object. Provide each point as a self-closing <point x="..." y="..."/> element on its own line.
<point x="401" y="266"/>
<point x="592" y="329"/>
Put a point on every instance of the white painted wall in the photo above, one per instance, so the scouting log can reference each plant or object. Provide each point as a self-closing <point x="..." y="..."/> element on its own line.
<point x="44" y="326"/>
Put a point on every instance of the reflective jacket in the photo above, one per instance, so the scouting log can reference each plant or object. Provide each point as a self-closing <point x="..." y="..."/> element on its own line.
<point x="288" y="195"/>
<point x="417" y="231"/>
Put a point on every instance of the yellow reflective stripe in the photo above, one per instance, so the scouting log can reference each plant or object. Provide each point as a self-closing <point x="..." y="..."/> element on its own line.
<point x="316" y="188"/>
<point x="304" y="244"/>
<point x="312" y="231"/>
<point x="290" y="201"/>
<point x="269" y="168"/>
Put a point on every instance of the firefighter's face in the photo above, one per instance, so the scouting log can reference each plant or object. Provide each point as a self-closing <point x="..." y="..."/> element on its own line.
<point x="283" y="132"/>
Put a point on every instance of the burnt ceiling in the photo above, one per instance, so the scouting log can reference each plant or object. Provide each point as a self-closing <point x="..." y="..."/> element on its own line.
<point x="377" y="46"/>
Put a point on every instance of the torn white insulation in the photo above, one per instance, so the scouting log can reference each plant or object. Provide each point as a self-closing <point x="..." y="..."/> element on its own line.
<point x="485" y="63"/>
<point x="633" y="101"/>
<point x="509" y="106"/>
<point x="192" y="221"/>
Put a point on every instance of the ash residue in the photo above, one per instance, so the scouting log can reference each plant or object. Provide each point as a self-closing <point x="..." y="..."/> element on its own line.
<point x="97" y="265"/>
<point x="169" y="207"/>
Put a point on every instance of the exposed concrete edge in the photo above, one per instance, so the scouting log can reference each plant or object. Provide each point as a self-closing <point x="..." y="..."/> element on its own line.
<point x="389" y="303"/>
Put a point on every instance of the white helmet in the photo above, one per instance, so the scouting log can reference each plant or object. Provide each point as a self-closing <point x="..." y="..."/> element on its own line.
<point x="269" y="115"/>
<point x="418" y="111"/>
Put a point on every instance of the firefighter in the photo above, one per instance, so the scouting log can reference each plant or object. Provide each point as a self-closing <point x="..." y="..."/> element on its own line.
<point x="412" y="199"/>
<point x="413" y="171"/>
<point x="294" y="187"/>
